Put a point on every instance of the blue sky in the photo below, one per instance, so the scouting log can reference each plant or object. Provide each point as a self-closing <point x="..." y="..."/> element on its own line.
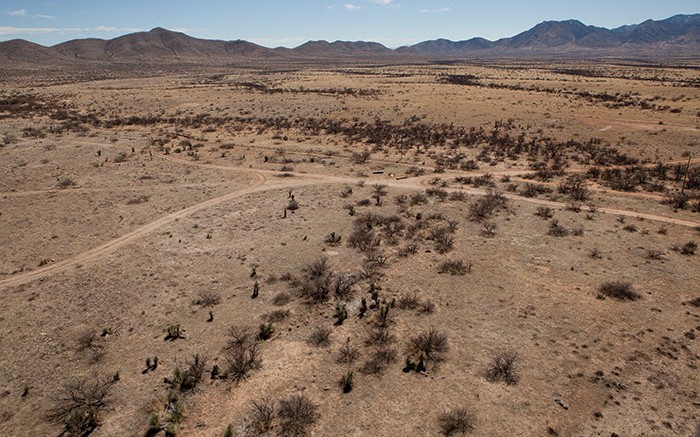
<point x="289" y="23"/>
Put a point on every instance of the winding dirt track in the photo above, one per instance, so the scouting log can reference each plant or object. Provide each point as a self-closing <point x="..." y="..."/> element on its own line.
<point x="262" y="182"/>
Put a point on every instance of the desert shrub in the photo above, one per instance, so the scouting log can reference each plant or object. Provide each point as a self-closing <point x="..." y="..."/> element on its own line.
<point x="378" y="192"/>
<point x="265" y="331"/>
<point x="241" y="353"/>
<point x="261" y="414"/>
<point x="332" y="239"/>
<point x="575" y="187"/>
<point x="363" y="238"/>
<point x="320" y="336"/>
<point x="630" y="228"/>
<point x="408" y="302"/>
<point x="595" y="253"/>
<point x="619" y="290"/>
<point x="296" y="414"/>
<point x="503" y="368"/>
<point x="443" y="239"/>
<point x="186" y="379"/>
<point x="87" y="340"/>
<point x="533" y="190"/>
<point x="432" y="344"/>
<point x="408" y="249"/>
<point x="557" y="230"/>
<point x="316" y="284"/>
<point x="545" y="212"/>
<point x="343" y="283"/>
<point x="276" y="316"/>
<point x="208" y="298"/>
<point x="427" y="306"/>
<point x="455" y="267"/>
<point x="455" y="421"/>
<point x="281" y="298"/>
<point x="66" y="182"/>
<point x="174" y="332"/>
<point x="484" y="207"/>
<point x="360" y="157"/>
<point x="292" y="205"/>
<point x="348" y="353"/>
<point x="400" y="199"/>
<point x="458" y="196"/>
<point x="381" y="357"/>
<point x="688" y="248"/>
<point x="653" y="254"/>
<point x="438" y="193"/>
<point x="80" y="404"/>
<point x="488" y="229"/>
<point x="121" y="157"/>
<point x="418" y="199"/>
<point x="347" y="381"/>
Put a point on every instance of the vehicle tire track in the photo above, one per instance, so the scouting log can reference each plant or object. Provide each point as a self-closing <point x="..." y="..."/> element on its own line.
<point x="256" y="185"/>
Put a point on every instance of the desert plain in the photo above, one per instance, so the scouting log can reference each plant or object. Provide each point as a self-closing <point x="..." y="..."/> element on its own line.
<point x="495" y="248"/>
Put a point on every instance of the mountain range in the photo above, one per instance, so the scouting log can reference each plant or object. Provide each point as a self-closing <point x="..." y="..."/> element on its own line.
<point x="674" y="37"/>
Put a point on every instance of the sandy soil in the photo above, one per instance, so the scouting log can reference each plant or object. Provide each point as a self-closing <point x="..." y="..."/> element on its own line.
<point x="119" y="229"/>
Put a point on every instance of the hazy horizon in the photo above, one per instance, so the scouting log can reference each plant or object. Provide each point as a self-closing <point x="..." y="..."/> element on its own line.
<point x="274" y="23"/>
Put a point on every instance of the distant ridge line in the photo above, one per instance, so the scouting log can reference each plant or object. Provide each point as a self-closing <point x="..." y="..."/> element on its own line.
<point x="671" y="38"/>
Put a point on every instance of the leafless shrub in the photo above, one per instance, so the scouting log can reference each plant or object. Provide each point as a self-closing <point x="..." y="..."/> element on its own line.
<point x="427" y="306"/>
<point x="80" y="404"/>
<point x="619" y="290"/>
<point x="343" y="283"/>
<point x="408" y="302"/>
<point x="595" y="253"/>
<point x="348" y="353"/>
<point x="186" y="379"/>
<point x="276" y="316"/>
<point x="400" y="199"/>
<point x="443" y="239"/>
<point x="432" y="344"/>
<point x="458" y="196"/>
<point x="653" y="254"/>
<point x="455" y="267"/>
<point x="557" y="230"/>
<point x="484" y="207"/>
<point x="455" y="421"/>
<point x="575" y="187"/>
<point x="332" y="239"/>
<point x="688" y="248"/>
<point x="121" y="157"/>
<point x="208" y="298"/>
<point x="381" y="357"/>
<point x="438" y="193"/>
<point x="503" y="369"/>
<point x="360" y="157"/>
<point x="488" y="229"/>
<point x="296" y="414"/>
<point x="281" y="298"/>
<point x="320" y="336"/>
<point x="408" y="249"/>
<point x="292" y="205"/>
<point x="418" y="199"/>
<point x="66" y="182"/>
<point x="241" y="353"/>
<point x="261" y="415"/>
<point x="545" y="212"/>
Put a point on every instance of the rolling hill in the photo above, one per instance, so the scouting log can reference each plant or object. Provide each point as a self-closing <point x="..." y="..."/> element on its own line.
<point x="674" y="37"/>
